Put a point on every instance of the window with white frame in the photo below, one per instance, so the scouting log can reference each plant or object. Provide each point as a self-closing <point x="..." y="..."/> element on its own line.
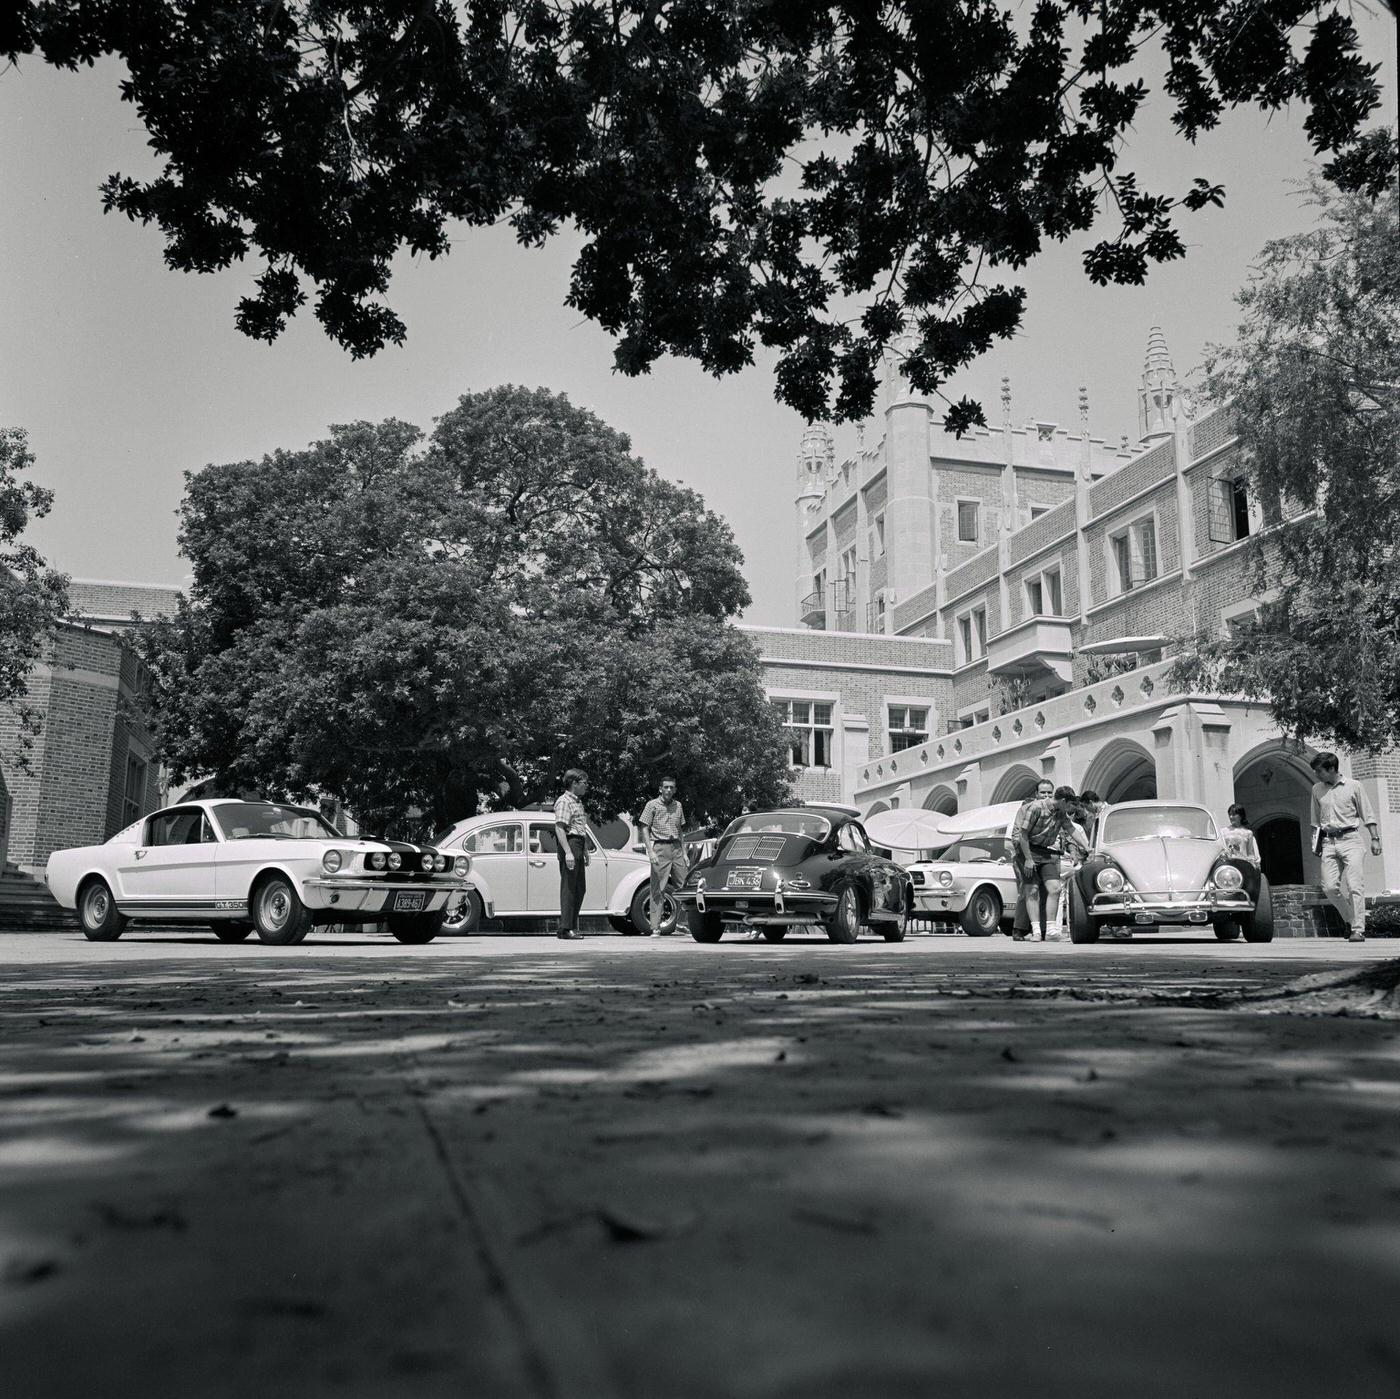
<point x="1038" y="510"/>
<point x="972" y="634"/>
<point x="809" y="731"/>
<point x="1134" y="554"/>
<point x="969" y="517"/>
<point x="1045" y="594"/>
<point x="908" y="726"/>
<point x="848" y="567"/>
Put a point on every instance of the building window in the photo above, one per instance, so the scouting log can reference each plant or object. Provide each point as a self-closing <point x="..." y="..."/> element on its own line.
<point x="1135" y="554"/>
<point x="877" y="536"/>
<point x="134" y="797"/>
<point x="809" y="732"/>
<point x="968" y="513"/>
<point x="1044" y="596"/>
<point x="908" y="727"/>
<point x="972" y="632"/>
<point x="1233" y="514"/>
<point x="848" y="567"/>
<point x="1038" y="510"/>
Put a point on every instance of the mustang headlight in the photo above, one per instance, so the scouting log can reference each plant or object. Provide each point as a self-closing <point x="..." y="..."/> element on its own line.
<point x="1228" y="877"/>
<point x="945" y="878"/>
<point x="426" y="861"/>
<point x="439" y="863"/>
<point x="461" y="865"/>
<point x="1109" y="880"/>
<point x="395" y="859"/>
<point x="332" y="860"/>
<point x="375" y="860"/>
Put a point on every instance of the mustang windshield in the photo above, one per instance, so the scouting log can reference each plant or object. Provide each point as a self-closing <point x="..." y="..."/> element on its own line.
<point x="1158" y="823"/>
<point x="271" y="821"/>
<point x="792" y="823"/>
<point x="976" y="850"/>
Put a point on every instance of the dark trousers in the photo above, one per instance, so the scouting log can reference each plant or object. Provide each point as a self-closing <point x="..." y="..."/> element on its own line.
<point x="571" y="886"/>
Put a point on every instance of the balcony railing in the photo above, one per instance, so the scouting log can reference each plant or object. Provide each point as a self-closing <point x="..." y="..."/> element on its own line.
<point x="813" y="610"/>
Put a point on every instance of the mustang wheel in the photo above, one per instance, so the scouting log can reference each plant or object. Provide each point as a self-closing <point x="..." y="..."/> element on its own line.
<point x="415" y="927"/>
<point x="278" y="912"/>
<point x="97" y="911"/>
<point x="705" y="927"/>
<point x="639" y="914"/>
<point x="231" y="930"/>
<point x="1259" y="925"/>
<point x="845" y="922"/>
<point x="982" y="916"/>
<point x="464" y="914"/>
<point x="1082" y="928"/>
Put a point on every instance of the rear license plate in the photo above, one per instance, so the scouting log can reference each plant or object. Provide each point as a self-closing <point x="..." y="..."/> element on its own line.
<point x="410" y="903"/>
<point x="743" y="879"/>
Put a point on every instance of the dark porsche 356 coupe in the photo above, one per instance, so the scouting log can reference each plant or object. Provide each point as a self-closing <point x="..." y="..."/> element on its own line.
<point x="777" y="870"/>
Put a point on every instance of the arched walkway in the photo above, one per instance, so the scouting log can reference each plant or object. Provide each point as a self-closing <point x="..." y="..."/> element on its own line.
<point x="943" y="800"/>
<point x="1274" y="785"/>
<point x="1015" y="785"/>
<point x="1123" y="771"/>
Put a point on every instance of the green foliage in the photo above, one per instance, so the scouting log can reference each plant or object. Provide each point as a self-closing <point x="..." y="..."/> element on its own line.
<point x="32" y="596"/>
<point x="389" y="621"/>
<point x="816" y="178"/>
<point x="1314" y="378"/>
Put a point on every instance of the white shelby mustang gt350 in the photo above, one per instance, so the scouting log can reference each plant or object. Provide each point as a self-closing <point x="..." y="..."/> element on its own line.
<point x="236" y="866"/>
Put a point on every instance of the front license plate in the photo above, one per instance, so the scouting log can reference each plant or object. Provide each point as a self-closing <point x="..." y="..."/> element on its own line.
<point x="743" y="879"/>
<point x="410" y="903"/>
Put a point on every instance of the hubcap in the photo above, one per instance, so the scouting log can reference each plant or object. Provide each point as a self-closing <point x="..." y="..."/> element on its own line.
<point x="97" y="906"/>
<point x="848" y="910"/>
<point x="668" y="910"/>
<point x="276" y="906"/>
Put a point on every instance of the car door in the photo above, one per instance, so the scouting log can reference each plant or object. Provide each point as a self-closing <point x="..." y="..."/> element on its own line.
<point x="498" y="857"/>
<point x="875" y="874"/>
<point x="542" y="871"/>
<point x="175" y="869"/>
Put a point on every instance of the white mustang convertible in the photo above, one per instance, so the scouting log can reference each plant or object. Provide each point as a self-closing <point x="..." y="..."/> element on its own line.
<point x="234" y="866"/>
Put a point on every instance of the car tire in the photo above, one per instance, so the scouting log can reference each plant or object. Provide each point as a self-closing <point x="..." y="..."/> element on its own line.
<point x="416" y="928"/>
<point x="463" y="915"/>
<point x="1226" y="929"/>
<point x="1259" y="925"/>
<point x="705" y="927"/>
<point x="231" y="930"/>
<point x="279" y="915"/>
<point x="775" y="934"/>
<point x="1082" y="928"/>
<point x="97" y="912"/>
<point x="844" y="923"/>
<point x="895" y="931"/>
<point x="638" y="914"/>
<point x="982" y="916"/>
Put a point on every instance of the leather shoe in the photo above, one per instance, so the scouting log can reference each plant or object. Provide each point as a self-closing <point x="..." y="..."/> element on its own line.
<point x="569" y="934"/>
<point x="1357" y="937"/>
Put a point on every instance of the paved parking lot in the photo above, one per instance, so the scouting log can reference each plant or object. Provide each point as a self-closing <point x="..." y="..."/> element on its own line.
<point x="640" y="1167"/>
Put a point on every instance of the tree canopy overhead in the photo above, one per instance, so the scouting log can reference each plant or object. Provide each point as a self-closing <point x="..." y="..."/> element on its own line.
<point x="820" y="179"/>
<point x="1313" y="381"/>
<point x="397" y="622"/>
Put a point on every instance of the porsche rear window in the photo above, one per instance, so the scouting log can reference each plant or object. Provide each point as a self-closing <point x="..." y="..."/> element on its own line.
<point x="1158" y="822"/>
<point x="793" y="823"/>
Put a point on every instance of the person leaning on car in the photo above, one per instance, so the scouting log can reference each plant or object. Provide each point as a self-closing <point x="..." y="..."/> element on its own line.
<point x="1047" y="828"/>
<point x="1021" y="923"/>
<point x="1339" y="810"/>
<point x="663" y="819"/>
<point x="571" y="828"/>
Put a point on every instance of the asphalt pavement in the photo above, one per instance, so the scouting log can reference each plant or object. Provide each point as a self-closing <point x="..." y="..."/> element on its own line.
<point x="509" y="1166"/>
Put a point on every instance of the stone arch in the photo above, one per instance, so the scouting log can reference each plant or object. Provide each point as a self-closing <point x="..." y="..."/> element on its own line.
<point x="1015" y="785"/>
<point x="877" y="809"/>
<point x="1122" y="771"/>
<point x="1273" y="783"/>
<point x="942" y="799"/>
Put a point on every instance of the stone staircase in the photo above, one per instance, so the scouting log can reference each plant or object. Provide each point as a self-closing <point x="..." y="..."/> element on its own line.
<point x="27" y="906"/>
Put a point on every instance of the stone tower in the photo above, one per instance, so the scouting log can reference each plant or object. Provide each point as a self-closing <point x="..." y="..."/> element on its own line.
<point x="816" y="460"/>
<point x="1159" y="389"/>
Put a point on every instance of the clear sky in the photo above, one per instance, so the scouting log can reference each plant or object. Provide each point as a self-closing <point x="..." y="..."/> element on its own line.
<point x="126" y="374"/>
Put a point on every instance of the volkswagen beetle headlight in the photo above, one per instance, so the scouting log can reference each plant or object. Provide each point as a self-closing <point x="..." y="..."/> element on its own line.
<point x="945" y="878"/>
<point x="331" y="861"/>
<point x="1228" y="877"/>
<point x="395" y="859"/>
<point x="375" y="860"/>
<point x="461" y="865"/>
<point x="1109" y="880"/>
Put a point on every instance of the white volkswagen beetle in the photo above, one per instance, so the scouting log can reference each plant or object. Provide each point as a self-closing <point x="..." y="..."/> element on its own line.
<point x="239" y="865"/>
<point x="515" y="874"/>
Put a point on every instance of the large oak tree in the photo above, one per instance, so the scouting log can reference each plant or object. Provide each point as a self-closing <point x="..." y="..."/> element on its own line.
<point x="815" y="178"/>
<point x="394" y="622"/>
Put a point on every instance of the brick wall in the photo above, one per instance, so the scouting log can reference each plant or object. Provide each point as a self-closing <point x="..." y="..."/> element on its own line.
<point x="792" y="643"/>
<point x="1039" y="533"/>
<point x="952" y="484"/>
<point x="1300" y="911"/>
<point x="1132" y="477"/>
<point x="117" y="601"/>
<point x="916" y="609"/>
<point x="1210" y="430"/>
<point x="1041" y="488"/>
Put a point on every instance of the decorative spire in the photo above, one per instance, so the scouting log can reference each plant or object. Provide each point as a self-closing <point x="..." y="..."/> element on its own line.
<point x="1006" y="400"/>
<point x="1157" y="396"/>
<point x="1084" y="407"/>
<point x="1159" y="358"/>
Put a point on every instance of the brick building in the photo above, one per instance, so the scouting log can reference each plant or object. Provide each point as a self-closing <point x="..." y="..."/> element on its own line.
<point x="1052" y="576"/>
<point x="92" y="769"/>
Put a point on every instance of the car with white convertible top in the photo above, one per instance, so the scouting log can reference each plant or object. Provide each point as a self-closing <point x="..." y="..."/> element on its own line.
<point x="240" y="866"/>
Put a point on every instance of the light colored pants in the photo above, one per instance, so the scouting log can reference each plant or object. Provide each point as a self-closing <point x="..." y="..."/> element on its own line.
<point x="668" y="869"/>
<point x="1344" y="858"/>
